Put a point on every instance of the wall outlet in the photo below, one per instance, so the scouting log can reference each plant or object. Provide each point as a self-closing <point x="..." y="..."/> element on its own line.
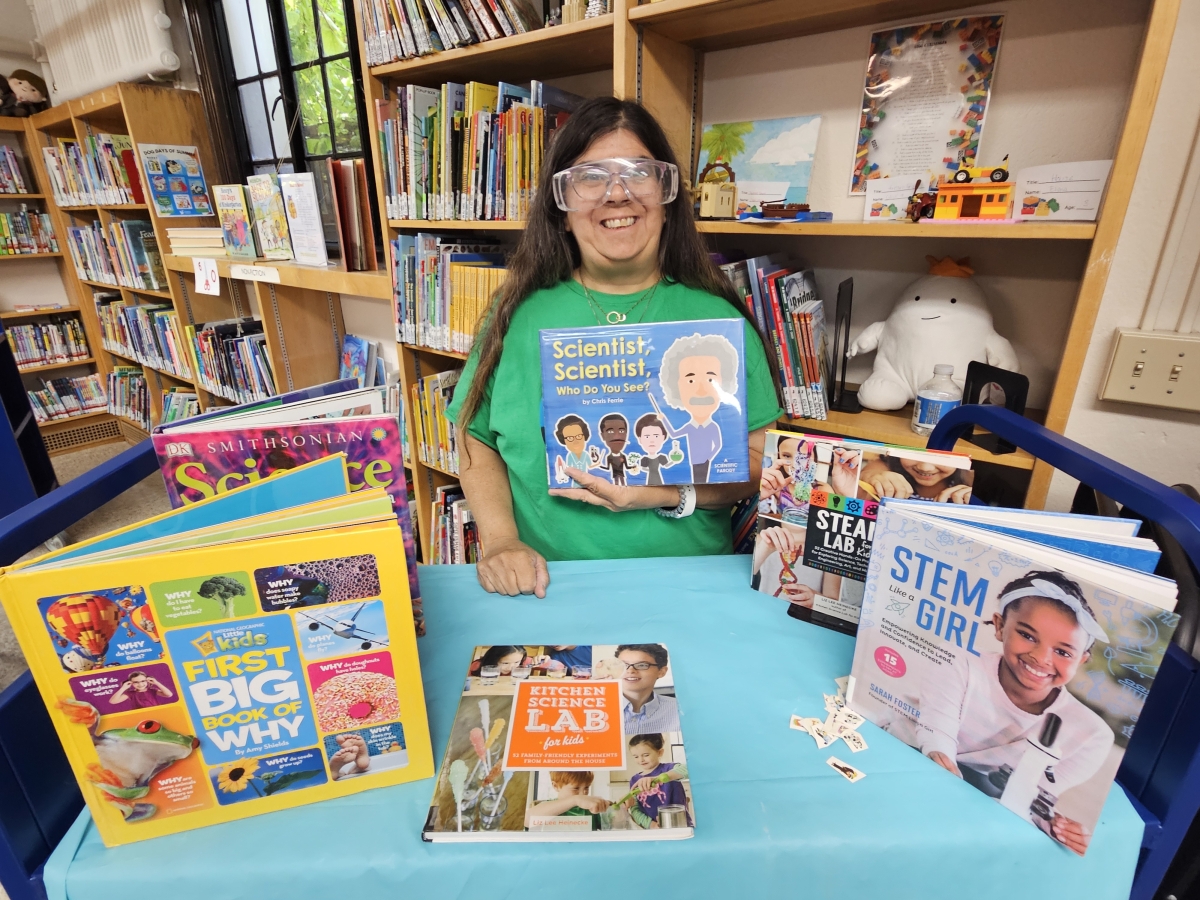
<point x="1156" y="368"/>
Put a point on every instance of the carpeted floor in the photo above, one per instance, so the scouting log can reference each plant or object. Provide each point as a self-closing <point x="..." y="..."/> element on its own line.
<point x="145" y="499"/>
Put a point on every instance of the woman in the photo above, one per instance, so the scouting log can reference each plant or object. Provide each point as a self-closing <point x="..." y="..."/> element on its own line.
<point x="614" y="242"/>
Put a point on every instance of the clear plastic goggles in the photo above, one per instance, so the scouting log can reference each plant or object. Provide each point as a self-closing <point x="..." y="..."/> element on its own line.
<point x="589" y="185"/>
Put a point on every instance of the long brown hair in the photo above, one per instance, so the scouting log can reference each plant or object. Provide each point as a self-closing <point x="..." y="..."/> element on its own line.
<point x="548" y="254"/>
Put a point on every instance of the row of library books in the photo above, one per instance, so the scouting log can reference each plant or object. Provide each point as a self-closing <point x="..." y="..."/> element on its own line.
<point x="402" y="29"/>
<point x="64" y="398"/>
<point x="467" y="151"/>
<point x="12" y="179"/>
<point x="178" y="403"/>
<point x="232" y="360"/>
<point x="99" y="170"/>
<point x="149" y="333"/>
<point x="782" y="297"/>
<point x="45" y="343"/>
<point x="125" y="255"/>
<point x="25" y="232"/>
<point x="455" y="538"/>
<point x="434" y="437"/>
<point x="128" y="396"/>
<point x="441" y="288"/>
<point x="363" y="360"/>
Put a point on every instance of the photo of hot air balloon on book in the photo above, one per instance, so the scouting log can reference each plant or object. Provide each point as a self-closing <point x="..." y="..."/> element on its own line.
<point x="101" y="628"/>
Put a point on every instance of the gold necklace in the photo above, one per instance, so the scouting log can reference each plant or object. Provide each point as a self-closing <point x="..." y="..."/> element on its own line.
<point x="615" y="317"/>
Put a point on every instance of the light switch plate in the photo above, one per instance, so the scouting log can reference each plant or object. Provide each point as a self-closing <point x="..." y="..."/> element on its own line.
<point x="1155" y="368"/>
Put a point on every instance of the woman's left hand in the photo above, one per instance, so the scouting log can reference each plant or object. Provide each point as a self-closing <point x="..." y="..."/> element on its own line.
<point x="617" y="498"/>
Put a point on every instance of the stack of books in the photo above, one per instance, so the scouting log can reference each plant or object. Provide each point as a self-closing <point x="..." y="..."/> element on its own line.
<point x="63" y="398"/>
<point x="128" y="396"/>
<point x="196" y="241"/>
<point x="435" y="438"/>
<point x="402" y="29"/>
<point x="26" y="232"/>
<point x="99" y="171"/>
<point x="43" y="343"/>
<point x="12" y="179"/>
<point x="232" y="360"/>
<point x="467" y="151"/>
<point x="442" y="287"/>
<point x="178" y="404"/>
<point x="150" y="334"/>
<point x="455" y="538"/>
<point x="356" y="232"/>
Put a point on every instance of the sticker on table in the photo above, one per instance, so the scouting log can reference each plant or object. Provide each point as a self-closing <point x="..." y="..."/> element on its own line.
<point x="243" y="683"/>
<point x="317" y="582"/>
<point x="566" y="726"/>
<point x="101" y="628"/>
<point x="253" y="779"/>
<point x="206" y="598"/>
<point x="144" y="688"/>
<point x="366" y="751"/>
<point x="352" y="693"/>
<point x="329" y="631"/>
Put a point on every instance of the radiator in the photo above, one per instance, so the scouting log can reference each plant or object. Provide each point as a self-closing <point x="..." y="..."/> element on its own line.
<point x="91" y="44"/>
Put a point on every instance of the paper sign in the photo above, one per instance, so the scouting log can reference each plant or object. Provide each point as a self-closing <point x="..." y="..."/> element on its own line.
<point x="566" y="726"/>
<point x="887" y="199"/>
<point x="1063" y="191"/>
<point x="207" y="279"/>
<point x="254" y="273"/>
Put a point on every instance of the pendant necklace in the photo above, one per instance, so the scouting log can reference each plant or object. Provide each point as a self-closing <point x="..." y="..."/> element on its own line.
<point x="615" y="317"/>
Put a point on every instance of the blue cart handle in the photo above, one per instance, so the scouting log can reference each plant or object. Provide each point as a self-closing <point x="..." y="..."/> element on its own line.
<point x="1150" y="499"/>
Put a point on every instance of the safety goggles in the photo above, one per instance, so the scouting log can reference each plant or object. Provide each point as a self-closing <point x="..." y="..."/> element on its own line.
<point x="589" y="185"/>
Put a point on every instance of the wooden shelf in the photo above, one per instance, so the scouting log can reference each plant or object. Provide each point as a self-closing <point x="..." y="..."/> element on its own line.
<point x="166" y="373"/>
<point x="30" y="313"/>
<point x="720" y="24"/>
<point x="894" y="427"/>
<point x="585" y="46"/>
<point x="448" y="354"/>
<point x="333" y="278"/>
<point x="161" y="294"/>
<point x="100" y="285"/>
<point x="1070" y="231"/>
<point x="12" y="123"/>
<point x="22" y="196"/>
<point x="46" y="367"/>
<point x="30" y="255"/>
<point x="131" y="424"/>
<point x="454" y="225"/>
<point x="436" y="468"/>
<point x="64" y="420"/>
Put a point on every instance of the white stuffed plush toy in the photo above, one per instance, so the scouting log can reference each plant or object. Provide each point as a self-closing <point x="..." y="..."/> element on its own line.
<point x="941" y="318"/>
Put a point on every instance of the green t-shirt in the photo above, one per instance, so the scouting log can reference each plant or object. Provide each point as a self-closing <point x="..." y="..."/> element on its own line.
<point x="509" y="421"/>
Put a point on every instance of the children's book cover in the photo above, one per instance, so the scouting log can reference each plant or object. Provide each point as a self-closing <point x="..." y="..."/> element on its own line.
<point x="230" y="201"/>
<point x="270" y="218"/>
<point x="356" y="354"/>
<point x="202" y="464"/>
<point x="771" y="159"/>
<point x="661" y="403"/>
<point x="564" y="742"/>
<point x="177" y="184"/>
<point x="818" y="501"/>
<point x="1019" y="669"/>
<point x="184" y="698"/>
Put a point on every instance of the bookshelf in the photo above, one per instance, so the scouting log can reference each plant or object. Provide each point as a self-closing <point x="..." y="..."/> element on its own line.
<point x="657" y="53"/>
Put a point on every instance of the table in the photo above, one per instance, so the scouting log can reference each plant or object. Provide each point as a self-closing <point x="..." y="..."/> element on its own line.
<point x="773" y="819"/>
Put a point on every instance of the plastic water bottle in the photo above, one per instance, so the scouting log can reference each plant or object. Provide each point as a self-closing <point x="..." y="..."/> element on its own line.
<point x="935" y="398"/>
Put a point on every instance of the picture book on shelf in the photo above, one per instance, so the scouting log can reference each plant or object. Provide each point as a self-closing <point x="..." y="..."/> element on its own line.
<point x="648" y="404"/>
<point x="242" y="447"/>
<point x="818" y="501"/>
<point x="1014" y="664"/>
<point x="208" y="665"/>
<point x="564" y="742"/>
<point x="358" y="359"/>
<point x="270" y="219"/>
<point x="771" y="159"/>
<point x="177" y="185"/>
<point x="230" y="201"/>
<point x="304" y="218"/>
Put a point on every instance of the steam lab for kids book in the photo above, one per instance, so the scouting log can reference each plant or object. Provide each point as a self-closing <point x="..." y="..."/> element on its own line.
<point x="660" y="403"/>
<point x="258" y="664"/>
<point x="1015" y="664"/>
<point x="564" y="742"/>
<point x="216" y="454"/>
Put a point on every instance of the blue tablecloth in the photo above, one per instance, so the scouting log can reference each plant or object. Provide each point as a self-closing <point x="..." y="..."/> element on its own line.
<point x="772" y="819"/>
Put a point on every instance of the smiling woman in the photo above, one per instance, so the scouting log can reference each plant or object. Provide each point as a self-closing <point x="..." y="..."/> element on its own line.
<point x="610" y="239"/>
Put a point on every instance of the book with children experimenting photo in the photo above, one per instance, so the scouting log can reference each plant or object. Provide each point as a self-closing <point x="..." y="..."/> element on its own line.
<point x="1013" y="663"/>
<point x="653" y="404"/>
<point x="249" y="653"/>
<point x="564" y="742"/>
<point x="818" y="498"/>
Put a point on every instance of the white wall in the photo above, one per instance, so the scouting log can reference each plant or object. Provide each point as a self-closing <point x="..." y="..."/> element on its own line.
<point x="1161" y="443"/>
<point x="1062" y="82"/>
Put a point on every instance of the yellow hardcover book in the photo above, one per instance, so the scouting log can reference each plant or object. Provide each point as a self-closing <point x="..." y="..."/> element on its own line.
<point x="201" y="685"/>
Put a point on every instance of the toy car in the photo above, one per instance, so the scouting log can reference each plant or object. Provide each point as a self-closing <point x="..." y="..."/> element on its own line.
<point x="992" y="173"/>
<point x="921" y="204"/>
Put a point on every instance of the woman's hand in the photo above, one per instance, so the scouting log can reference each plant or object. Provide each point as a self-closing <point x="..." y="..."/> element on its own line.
<point x="960" y="493"/>
<point x="595" y="491"/>
<point x="945" y="762"/>
<point x="511" y="568"/>
<point x="1071" y="834"/>
<point x="890" y="484"/>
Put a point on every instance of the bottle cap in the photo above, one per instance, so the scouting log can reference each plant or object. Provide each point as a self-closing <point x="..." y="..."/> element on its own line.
<point x="943" y="369"/>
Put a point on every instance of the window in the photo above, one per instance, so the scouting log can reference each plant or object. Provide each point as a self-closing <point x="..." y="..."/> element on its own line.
<point x="990" y="198"/>
<point x="1002" y="198"/>
<point x="293" y="88"/>
<point x="954" y="198"/>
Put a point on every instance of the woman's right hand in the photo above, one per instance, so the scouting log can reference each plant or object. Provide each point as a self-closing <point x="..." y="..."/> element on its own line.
<point x="510" y="567"/>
